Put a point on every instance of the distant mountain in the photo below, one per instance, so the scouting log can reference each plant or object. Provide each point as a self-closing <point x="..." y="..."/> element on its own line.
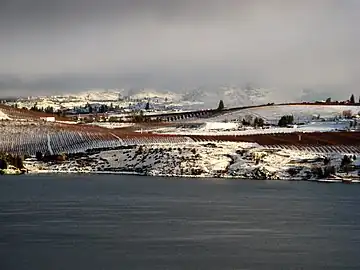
<point x="232" y="96"/>
<point x="160" y="96"/>
<point x="100" y="95"/>
<point x="203" y="97"/>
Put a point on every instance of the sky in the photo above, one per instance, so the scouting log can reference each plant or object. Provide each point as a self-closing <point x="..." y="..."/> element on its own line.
<point x="72" y="45"/>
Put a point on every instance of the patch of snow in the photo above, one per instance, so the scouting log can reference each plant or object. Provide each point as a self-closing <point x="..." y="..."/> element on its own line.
<point x="111" y="125"/>
<point x="220" y="126"/>
<point x="4" y="116"/>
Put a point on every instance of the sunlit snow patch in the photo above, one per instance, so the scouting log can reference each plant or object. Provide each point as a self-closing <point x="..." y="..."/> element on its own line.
<point x="220" y="126"/>
<point x="4" y="116"/>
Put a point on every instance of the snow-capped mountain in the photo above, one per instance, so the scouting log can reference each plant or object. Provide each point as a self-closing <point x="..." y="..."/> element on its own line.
<point x="100" y="95"/>
<point x="197" y="98"/>
<point x="232" y="96"/>
<point x="207" y="96"/>
<point x="160" y="96"/>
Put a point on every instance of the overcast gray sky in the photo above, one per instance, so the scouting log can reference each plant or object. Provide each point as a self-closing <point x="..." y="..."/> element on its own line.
<point x="64" y="45"/>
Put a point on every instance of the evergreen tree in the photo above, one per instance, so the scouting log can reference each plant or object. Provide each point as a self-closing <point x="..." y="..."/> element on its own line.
<point x="286" y="120"/>
<point x="221" y="106"/>
<point x="49" y="109"/>
<point x="352" y="99"/>
<point x="90" y="108"/>
<point x="34" y="108"/>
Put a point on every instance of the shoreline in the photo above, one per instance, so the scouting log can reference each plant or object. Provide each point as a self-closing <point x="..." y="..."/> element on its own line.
<point x="219" y="160"/>
<point x="49" y="172"/>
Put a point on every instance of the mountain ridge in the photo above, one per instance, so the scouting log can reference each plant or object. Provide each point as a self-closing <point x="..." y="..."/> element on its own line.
<point x="200" y="97"/>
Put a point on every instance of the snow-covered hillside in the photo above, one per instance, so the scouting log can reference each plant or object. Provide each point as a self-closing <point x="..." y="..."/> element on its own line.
<point x="232" y="96"/>
<point x="307" y="118"/>
<point x="153" y="94"/>
<point x="238" y="160"/>
<point x="204" y="97"/>
<point x="97" y="95"/>
<point x="300" y="112"/>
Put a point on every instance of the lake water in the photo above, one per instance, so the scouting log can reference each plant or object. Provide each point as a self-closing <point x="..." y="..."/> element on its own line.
<point x="131" y="222"/>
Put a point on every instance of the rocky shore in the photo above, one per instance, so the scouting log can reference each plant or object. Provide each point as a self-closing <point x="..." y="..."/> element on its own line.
<point x="224" y="160"/>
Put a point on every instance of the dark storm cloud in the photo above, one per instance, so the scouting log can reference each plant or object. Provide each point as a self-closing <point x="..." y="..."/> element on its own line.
<point x="274" y="43"/>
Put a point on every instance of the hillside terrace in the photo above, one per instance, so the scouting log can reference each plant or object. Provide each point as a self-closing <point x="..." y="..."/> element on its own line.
<point x="32" y="134"/>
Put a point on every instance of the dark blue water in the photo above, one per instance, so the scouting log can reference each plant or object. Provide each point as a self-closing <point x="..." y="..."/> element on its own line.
<point x="130" y="222"/>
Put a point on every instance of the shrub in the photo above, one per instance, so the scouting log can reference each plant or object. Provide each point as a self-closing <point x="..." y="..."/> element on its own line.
<point x="258" y="122"/>
<point x="329" y="170"/>
<point x="318" y="172"/>
<point x="286" y="120"/>
<point x="347" y="114"/>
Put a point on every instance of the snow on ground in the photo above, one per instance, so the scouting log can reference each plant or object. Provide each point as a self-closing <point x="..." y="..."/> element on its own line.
<point x="134" y="100"/>
<point x="220" y="126"/>
<point x="154" y="94"/>
<point x="4" y="116"/>
<point x="159" y="112"/>
<point x="231" y="128"/>
<point x="98" y="94"/>
<point x="300" y="112"/>
<point x="311" y="118"/>
<point x="237" y="160"/>
<point x="111" y="125"/>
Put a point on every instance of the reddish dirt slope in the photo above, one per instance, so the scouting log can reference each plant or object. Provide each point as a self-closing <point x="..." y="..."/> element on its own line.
<point x="17" y="113"/>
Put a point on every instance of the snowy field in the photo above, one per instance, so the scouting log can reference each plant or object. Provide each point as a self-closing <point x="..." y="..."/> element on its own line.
<point x="112" y="125"/>
<point x="300" y="112"/>
<point x="231" y="128"/>
<point x="311" y="118"/>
